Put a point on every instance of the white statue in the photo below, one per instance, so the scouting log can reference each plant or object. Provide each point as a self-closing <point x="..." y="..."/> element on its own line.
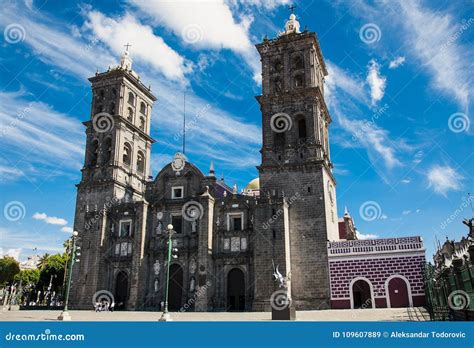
<point x="157" y="267"/>
<point x="192" y="284"/>
<point x="157" y="285"/>
<point x="159" y="227"/>
<point x="192" y="266"/>
<point x="193" y="226"/>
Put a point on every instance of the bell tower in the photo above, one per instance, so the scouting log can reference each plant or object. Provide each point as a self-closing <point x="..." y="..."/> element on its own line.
<point x="115" y="172"/>
<point x="296" y="166"/>
<point x="118" y="141"/>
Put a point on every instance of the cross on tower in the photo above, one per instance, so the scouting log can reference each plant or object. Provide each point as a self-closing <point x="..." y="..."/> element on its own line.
<point x="292" y="8"/>
<point x="127" y="46"/>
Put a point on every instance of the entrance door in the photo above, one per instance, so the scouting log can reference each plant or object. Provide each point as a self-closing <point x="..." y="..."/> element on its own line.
<point x="361" y="294"/>
<point x="236" y="290"/>
<point x="175" y="287"/>
<point x="121" y="290"/>
<point x="398" y="292"/>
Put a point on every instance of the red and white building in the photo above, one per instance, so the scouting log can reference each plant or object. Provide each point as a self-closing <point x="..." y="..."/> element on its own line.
<point x="377" y="273"/>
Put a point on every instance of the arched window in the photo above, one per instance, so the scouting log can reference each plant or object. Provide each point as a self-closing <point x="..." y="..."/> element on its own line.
<point x="127" y="154"/>
<point x="131" y="98"/>
<point x="299" y="80"/>
<point x="101" y="94"/>
<point x="94" y="152"/>
<point x="140" y="162"/>
<point x="143" y="108"/>
<point x="301" y="128"/>
<point x="298" y="63"/>
<point x="279" y="139"/>
<point x="277" y="66"/>
<point x="112" y="108"/>
<point x="107" y="150"/>
<point x="130" y="115"/>
<point x="276" y="85"/>
<point x="142" y="123"/>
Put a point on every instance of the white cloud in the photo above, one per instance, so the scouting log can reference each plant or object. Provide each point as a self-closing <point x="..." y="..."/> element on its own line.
<point x="344" y="95"/>
<point x="15" y="253"/>
<point x="362" y="236"/>
<point x="37" y="134"/>
<point x="146" y="46"/>
<point x="9" y="173"/>
<point x="443" y="179"/>
<point x="406" y="181"/>
<point x="205" y="25"/>
<point x="67" y="229"/>
<point x="396" y="62"/>
<point x="376" y="82"/>
<point x="406" y="212"/>
<point x="49" y="219"/>
<point x="261" y="4"/>
<point x="339" y="79"/>
<point x="432" y="37"/>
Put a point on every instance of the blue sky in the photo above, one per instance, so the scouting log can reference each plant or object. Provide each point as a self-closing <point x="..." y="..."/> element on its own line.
<point x="399" y="92"/>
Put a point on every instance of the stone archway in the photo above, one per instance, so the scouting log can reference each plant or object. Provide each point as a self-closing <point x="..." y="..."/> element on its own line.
<point x="175" y="288"/>
<point x="398" y="292"/>
<point x="235" y="290"/>
<point x="121" y="290"/>
<point x="361" y="294"/>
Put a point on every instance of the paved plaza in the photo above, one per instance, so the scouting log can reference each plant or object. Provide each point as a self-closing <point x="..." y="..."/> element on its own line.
<point x="382" y="314"/>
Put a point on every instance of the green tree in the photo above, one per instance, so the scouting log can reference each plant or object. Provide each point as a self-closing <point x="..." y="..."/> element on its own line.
<point x="52" y="268"/>
<point x="9" y="267"/>
<point x="43" y="261"/>
<point x="28" y="277"/>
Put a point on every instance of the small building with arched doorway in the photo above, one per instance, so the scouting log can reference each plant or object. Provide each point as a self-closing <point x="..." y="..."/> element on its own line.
<point x="377" y="273"/>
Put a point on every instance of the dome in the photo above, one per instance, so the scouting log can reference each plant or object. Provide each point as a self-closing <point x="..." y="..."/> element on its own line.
<point x="253" y="185"/>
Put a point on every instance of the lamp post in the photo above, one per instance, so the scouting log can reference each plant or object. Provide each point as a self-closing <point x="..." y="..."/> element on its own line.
<point x="65" y="314"/>
<point x="166" y="316"/>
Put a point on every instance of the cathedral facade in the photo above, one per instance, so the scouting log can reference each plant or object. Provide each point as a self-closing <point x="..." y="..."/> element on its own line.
<point x="227" y="243"/>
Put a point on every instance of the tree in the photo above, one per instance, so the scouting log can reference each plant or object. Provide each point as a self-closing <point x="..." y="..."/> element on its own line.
<point x="43" y="261"/>
<point x="52" y="269"/>
<point x="9" y="267"/>
<point x="28" y="277"/>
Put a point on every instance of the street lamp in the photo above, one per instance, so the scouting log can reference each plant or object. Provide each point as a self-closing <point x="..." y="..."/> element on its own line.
<point x="166" y="316"/>
<point x="74" y="252"/>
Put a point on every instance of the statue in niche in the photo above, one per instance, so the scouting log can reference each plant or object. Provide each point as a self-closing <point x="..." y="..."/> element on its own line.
<point x="193" y="226"/>
<point x="159" y="228"/>
<point x="192" y="284"/>
<point x="157" y="284"/>
<point x="157" y="267"/>
<point x="192" y="266"/>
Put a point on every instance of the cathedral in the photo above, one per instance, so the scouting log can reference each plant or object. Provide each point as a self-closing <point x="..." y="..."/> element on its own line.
<point x="226" y="244"/>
